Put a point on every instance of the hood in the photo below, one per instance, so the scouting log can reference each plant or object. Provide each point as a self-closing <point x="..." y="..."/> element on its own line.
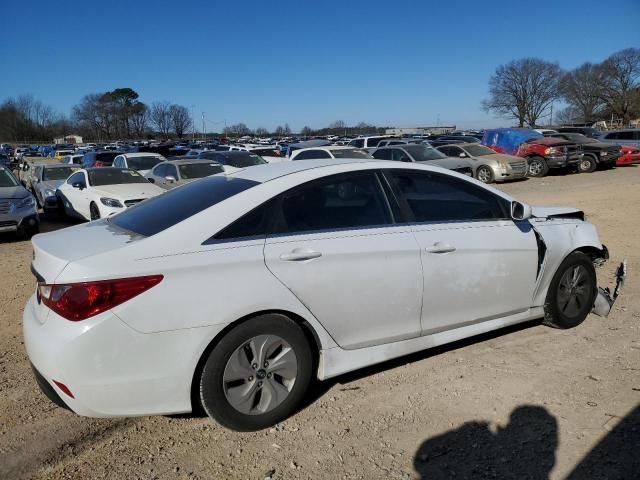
<point x="556" y="212"/>
<point x="13" y="192"/>
<point x="51" y="184"/>
<point x="129" y="191"/>
<point x="502" y="158"/>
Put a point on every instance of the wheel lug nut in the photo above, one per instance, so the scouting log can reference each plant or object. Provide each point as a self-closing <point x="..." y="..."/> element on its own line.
<point x="254" y="366"/>
<point x="266" y="364"/>
<point x="250" y="379"/>
<point x="259" y="384"/>
<point x="268" y="375"/>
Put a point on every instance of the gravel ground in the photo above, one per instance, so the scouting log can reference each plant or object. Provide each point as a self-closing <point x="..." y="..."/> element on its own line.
<point x="525" y="402"/>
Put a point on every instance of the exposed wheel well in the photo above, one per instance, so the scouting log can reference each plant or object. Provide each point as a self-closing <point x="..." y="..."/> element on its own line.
<point x="593" y="252"/>
<point x="309" y="332"/>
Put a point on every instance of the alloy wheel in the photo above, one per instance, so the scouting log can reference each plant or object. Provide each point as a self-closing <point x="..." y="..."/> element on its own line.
<point x="260" y="374"/>
<point x="535" y="167"/>
<point x="573" y="291"/>
<point x="484" y="174"/>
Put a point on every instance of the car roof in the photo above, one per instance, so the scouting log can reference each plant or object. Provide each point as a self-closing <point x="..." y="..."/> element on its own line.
<point x="141" y="154"/>
<point x="184" y="161"/>
<point x="269" y="171"/>
<point x="102" y="169"/>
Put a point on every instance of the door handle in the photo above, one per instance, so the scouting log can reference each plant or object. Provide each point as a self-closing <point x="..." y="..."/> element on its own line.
<point x="441" y="247"/>
<point x="300" y="254"/>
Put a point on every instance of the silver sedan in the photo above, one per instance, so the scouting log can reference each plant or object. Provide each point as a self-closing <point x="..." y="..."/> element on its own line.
<point x="173" y="173"/>
<point x="488" y="166"/>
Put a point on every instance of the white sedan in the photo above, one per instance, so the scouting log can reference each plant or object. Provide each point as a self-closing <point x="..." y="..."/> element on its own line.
<point x="235" y="290"/>
<point x="94" y="193"/>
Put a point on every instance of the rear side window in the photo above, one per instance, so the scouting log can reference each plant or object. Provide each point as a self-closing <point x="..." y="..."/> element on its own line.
<point x="338" y="202"/>
<point x="431" y="197"/>
<point x="166" y="210"/>
<point x="254" y="224"/>
<point x="359" y="142"/>
<point x="384" y="154"/>
<point x="627" y="135"/>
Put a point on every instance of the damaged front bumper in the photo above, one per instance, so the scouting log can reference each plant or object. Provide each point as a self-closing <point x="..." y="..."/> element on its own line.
<point x="605" y="299"/>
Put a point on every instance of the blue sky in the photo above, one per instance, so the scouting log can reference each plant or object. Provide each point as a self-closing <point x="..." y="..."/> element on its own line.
<point x="306" y="63"/>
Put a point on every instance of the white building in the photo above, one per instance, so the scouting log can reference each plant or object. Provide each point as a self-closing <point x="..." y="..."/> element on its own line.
<point x="68" y="139"/>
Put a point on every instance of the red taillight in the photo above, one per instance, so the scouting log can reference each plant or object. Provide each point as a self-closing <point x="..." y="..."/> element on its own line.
<point x="99" y="163"/>
<point x="79" y="301"/>
<point x="64" y="388"/>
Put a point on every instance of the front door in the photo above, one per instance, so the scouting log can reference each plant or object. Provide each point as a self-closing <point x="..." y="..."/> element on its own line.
<point x="478" y="264"/>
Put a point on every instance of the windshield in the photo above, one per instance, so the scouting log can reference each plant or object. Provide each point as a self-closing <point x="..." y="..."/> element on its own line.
<point x="422" y="153"/>
<point x="350" y="153"/>
<point x="57" y="173"/>
<point x="241" y="161"/>
<point x="478" y="150"/>
<point x="114" y="176"/>
<point x="164" y="211"/>
<point x="7" y="179"/>
<point x="143" y="163"/>
<point x="199" y="170"/>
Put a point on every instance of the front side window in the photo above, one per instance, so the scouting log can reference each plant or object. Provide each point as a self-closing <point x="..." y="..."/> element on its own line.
<point x="7" y="179"/>
<point x="358" y="142"/>
<point x="384" y="154"/>
<point x="144" y="162"/>
<point x="437" y="198"/>
<point x="400" y="155"/>
<point x="76" y="178"/>
<point x="343" y="201"/>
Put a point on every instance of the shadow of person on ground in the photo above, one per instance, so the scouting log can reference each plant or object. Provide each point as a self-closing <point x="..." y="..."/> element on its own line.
<point x="616" y="456"/>
<point x="524" y="449"/>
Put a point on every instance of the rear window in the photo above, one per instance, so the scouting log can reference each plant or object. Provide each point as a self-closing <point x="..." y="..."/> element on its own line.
<point x="146" y="162"/>
<point x="350" y="153"/>
<point x="166" y="210"/>
<point x="199" y="170"/>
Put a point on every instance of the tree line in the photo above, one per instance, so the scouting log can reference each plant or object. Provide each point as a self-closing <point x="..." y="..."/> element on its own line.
<point x="525" y="90"/>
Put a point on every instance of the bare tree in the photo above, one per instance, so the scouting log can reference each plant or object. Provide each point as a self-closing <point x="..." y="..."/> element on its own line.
<point x="287" y="130"/>
<point x="621" y="83"/>
<point x="338" y="124"/>
<point x="523" y="89"/>
<point x="306" y="131"/>
<point x="262" y="132"/>
<point x="279" y="131"/>
<point x="180" y="119"/>
<point x="139" y="118"/>
<point x="160" y="117"/>
<point x="582" y="89"/>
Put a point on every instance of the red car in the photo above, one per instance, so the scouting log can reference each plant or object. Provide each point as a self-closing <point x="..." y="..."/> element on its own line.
<point x="630" y="155"/>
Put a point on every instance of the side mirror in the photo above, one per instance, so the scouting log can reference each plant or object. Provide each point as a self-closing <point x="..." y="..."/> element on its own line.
<point x="151" y="179"/>
<point x="170" y="178"/>
<point x="520" y="211"/>
<point x="463" y="155"/>
<point x="78" y="185"/>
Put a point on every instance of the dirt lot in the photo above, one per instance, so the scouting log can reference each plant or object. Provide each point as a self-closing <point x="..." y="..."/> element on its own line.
<point x="528" y="402"/>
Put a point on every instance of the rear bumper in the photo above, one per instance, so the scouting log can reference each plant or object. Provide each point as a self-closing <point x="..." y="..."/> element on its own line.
<point x="110" y="369"/>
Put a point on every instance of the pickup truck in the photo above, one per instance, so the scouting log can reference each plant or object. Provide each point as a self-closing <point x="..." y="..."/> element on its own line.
<point x="542" y="153"/>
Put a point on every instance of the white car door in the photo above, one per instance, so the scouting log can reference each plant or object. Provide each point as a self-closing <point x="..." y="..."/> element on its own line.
<point x="77" y="197"/>
<point x="478" y="264"/>
<point x="336" y="247"/>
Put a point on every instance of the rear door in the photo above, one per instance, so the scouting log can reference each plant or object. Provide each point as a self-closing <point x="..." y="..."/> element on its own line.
<point x="477" y="263"/>
<point x="337" y="247"/>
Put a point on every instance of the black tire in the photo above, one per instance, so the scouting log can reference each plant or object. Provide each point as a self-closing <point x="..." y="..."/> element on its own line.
<point x="62" y="211"/>
<point x="94" y="212"/>
<point x="28" y="232"/>
<point x="558" y="294"/>
<point x="484" y="174"/>
<point x="587" y="164"/>
<point x="537" y="167"/>
<point x="212" y="387"/>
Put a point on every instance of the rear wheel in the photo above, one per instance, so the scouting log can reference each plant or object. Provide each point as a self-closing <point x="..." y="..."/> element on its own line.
<point x="257" y="374"/>
<point x="484" y="174"/>
<point x="587" y="164"/>
<point x="571" y="293"/>
<point x="94" y="211"/>
<point x="537" y="167"/>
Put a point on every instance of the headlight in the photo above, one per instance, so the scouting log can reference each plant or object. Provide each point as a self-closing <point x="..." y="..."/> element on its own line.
<point x="49" y="193"/>
<point x="604" y="154"/>
<point x="111" y="202"/>
<point x="25" y="202"/>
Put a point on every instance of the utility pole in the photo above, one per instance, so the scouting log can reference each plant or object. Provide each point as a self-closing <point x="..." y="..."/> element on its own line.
<point x="203" y="128"/>
<point x="551" y="116"/>
<point x="193" y="123"/>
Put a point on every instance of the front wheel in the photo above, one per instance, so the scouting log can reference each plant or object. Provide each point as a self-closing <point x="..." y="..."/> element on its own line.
<point x="94" y="212"/>
<point x="257" y="375"/>
<point x="537" y="167"/>
<point x="484" y="174"/>
<point x="587" y="164"/>
<point x="571" y="293"/>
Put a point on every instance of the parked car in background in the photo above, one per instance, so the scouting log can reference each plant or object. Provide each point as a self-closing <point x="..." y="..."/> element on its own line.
<point x="270" y="154"/>
<point x="101" y="158"/>
<point x="594" y="152"/>
<point x="423" y="154"/>
<point x="630" y="136"/>
<point x="586" y="131"/>
<point x="331" y="151"/>
<point x="5" y="160"/>
<point x="488" y="166"/>
<point x="17" y="206"/>
<point x="93" y="193"/>
<point x="369" y="142"/>
<point x="173" y="173"/>
<point x="233" y="159"/>
<point x="143" y="162"/>
<point x="76" y="159"/>
<point x="628" y="156"/>
<point x="60" y="154"/>
<point x="542" y="153"/>
<point x="229" y="286"/>
<point x="45" y="180"/>
<point x="392" y="141"/>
